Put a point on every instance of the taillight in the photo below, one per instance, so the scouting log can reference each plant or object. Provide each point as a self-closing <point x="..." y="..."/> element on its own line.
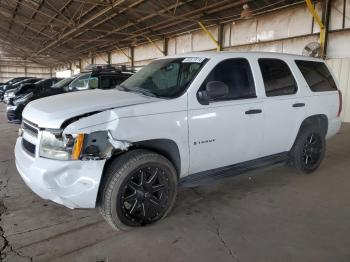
<point x="340" y="103"/>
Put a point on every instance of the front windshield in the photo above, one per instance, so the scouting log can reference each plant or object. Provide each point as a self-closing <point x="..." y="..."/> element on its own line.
<point x="167" y="78"/>
<point x="64" y="82"/>
<point x="40" y="81"/>
<point x="84" y="82"/>
<point x="80" y="82"/>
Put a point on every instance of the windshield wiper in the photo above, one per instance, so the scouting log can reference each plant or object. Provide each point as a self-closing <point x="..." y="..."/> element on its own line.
<point x="138" y="90"/>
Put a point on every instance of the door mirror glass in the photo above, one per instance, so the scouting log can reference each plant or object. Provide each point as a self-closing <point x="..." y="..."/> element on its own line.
<point x="216" y="89"/>
<point x="230" y="79"/>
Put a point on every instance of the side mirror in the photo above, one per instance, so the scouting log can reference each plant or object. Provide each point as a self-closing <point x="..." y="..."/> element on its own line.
<point x="213" y="90"/>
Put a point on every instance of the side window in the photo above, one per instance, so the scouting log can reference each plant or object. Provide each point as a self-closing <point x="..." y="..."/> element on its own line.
<point x="80" y="83"/>
<point x="316" y="75"/>
<point x="278" y="78"/>
<point x="237" y="75"/>
<point x="108" y="82"/>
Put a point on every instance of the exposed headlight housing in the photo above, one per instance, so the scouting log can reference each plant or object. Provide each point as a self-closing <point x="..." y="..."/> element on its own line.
<point x="55" y="145"/>
<point x="10" y="94"/>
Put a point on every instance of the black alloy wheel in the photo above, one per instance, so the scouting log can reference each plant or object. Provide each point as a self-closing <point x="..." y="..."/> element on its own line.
<point x="144" y="197"/>
<point x="312" y="150"/>
<point x="139" y="188"/>
<point x="309" y="149"/>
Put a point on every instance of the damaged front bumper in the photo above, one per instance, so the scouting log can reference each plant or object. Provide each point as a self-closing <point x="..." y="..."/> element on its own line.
<point x="73" y="184"/>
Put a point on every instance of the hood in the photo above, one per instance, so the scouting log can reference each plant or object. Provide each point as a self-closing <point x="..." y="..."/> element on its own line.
<point x="51" y="112"/>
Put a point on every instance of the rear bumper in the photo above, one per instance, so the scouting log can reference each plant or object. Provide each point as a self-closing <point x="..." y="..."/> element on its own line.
<point x="333" y="127"/>
<point x="73" y="184"/>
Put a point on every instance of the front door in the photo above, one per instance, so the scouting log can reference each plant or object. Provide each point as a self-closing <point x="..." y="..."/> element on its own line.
<point x="228" y="129"/>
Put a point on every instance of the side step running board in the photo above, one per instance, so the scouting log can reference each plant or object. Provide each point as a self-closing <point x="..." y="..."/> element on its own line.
<point x="206" y="177"/>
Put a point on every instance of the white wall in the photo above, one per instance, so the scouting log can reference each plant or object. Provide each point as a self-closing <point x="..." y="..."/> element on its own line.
<point x="64" y="73"/>
<point x="118" y="56"/>
<point x="285" y="31"/>
<point x="85" y="62"/>
<point x="101" y="59"/>
<point x="145" y="53"/>
<point x="16" y="67"/>
<point x="341" y="70"/>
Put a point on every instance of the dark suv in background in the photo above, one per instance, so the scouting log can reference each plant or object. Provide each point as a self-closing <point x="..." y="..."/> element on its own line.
<point x="12" y="81"/>
<point x="101" y="77"/>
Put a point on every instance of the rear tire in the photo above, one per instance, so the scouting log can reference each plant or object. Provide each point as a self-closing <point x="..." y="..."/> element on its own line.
<point x="140" y="189"/>
<point x="309" y="149"/>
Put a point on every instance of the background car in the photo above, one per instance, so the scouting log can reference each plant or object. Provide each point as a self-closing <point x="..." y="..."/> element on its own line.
<point x="13" y="80"/>
<point x="9" y="90"/>
<point x="101" y="77"/>
<point x="3" y="86"/>
<point x="32" y="92"/>
<point x="29" y="87"/>
<point x="98" y="77"/>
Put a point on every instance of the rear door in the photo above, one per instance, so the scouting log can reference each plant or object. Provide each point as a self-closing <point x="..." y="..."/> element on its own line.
<point x="284" y="104"/>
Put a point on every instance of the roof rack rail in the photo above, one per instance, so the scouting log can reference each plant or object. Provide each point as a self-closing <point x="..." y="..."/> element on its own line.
<point x="108" y="68"/>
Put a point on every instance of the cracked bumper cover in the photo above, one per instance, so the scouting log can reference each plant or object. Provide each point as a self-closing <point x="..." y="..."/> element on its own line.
<point x="73" y="184"/>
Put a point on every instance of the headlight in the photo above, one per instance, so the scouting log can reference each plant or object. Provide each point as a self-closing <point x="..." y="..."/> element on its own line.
<point x="11" y="94"/>
<point x="23" y="99"/>
<point x="54" y="145"/>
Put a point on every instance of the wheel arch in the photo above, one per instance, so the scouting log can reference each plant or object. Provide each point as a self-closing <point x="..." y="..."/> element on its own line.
<point x="319" y="120"/>
<point x="165" y="147"/>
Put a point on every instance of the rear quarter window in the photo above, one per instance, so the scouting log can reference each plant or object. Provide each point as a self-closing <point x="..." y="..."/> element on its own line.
<point x="317" y="76"/>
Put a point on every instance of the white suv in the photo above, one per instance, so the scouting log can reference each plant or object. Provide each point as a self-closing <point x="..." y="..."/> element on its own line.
<point x="180" y="119"/>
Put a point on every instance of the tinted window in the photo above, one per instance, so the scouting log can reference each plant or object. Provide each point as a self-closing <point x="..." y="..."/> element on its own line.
<point x="317" y="76"/>
<point x="63" y="83"/>
<point x="108" y="82"/>
<point x="237" y="75"/>
<point x="278" y="78"/>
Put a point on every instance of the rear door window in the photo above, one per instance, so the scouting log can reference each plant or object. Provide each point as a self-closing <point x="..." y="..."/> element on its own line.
<point x="316" y="75"/>
<point x="277" y="76"/>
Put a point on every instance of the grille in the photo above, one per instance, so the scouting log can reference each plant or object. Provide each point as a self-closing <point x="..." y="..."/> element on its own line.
<point x="30" y="129"/>
<point x="29" y="147"/>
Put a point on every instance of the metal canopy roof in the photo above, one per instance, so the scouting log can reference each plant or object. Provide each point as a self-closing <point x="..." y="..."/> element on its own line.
<point x="52" y="32"/>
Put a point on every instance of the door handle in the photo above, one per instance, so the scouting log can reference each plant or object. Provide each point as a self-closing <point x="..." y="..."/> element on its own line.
<point x="253" y="111"/>
<point x="298" y="105"/>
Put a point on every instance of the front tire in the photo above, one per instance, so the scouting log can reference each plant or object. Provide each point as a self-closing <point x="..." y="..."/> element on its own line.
<point x="309" y="149"/>
<point x="140" y="189"/>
